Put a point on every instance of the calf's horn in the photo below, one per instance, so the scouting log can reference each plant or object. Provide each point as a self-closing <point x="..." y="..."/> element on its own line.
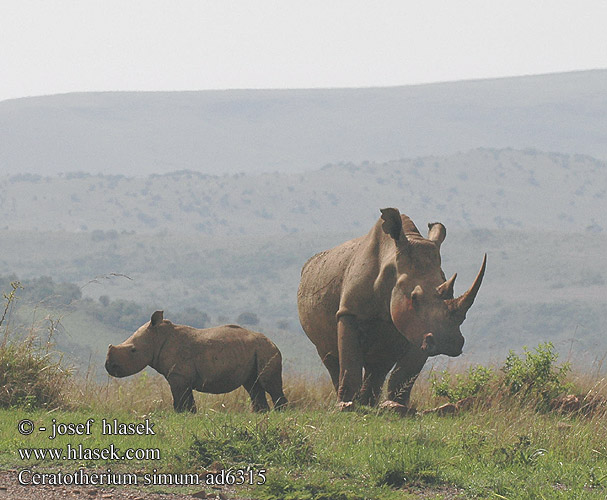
<point x="466" y="300"/>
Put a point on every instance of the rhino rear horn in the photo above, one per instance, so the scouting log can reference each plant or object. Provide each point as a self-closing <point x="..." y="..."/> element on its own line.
<point x="465" y="301"/>
<point x="156" y="318"/>
<point x="446" y="289"/>
<point x="436" y="233"/>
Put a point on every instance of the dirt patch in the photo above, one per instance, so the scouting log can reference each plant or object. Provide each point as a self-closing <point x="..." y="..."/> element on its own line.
<point x="443" y="492"/>
<point x="10" y="489"/>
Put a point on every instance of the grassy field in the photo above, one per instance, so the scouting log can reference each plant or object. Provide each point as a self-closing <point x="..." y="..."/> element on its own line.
<point x="499" y="448"/>
<point x="530" y="429"/>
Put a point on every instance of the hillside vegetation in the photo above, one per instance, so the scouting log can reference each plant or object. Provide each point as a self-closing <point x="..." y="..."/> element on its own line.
<point x="484" y="189"/>
<point x="540" y="288"/>
<point x="294" y="130"/>
<point x="217" y="247"/>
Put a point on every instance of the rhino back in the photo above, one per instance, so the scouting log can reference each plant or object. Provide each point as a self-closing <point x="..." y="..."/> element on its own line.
<point x="215" y="360"/>
<point x="320" y="290"/>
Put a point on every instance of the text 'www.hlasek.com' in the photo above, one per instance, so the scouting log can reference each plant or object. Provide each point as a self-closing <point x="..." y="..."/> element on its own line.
<point x="93" y="477"/>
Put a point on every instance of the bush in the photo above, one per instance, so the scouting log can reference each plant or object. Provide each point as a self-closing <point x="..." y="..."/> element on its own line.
<point x="31" y="374"/>
<point x="533" y="376"/>
<point x="248" y="318"/>
<point x="44" y="290"/>
<point x="536" y="374"/>
<point x="465" y="385"/>
<point x="193" y="317"/>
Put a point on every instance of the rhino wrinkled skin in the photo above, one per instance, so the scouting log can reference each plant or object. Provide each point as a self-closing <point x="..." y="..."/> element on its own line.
<point x="214" y="360"/>
<point x="381" y="302"/>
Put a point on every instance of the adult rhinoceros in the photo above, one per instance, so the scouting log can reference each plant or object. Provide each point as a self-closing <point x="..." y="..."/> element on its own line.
<point x="379" y="302"/>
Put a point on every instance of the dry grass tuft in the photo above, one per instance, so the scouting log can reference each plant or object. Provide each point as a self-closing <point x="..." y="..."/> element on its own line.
<point x="148" y="392"/>
<point x="32" y="374"/>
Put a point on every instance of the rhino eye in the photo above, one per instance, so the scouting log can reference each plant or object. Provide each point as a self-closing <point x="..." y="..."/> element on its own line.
<point x="133" y="349"/>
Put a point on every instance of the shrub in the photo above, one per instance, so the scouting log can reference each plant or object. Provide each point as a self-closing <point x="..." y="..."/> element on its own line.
<point x="31" y="374"/>
<point x="465" y="385"/>
<point x="248" y="318"/>
<point x="536" y="373"/>
<point x="534" y="376"/>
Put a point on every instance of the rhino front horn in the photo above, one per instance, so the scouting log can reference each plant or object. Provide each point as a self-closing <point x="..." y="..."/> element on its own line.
<point x="466" y="300"/>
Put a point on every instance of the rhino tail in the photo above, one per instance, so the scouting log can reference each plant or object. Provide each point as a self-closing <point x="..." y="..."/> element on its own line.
<point x="269" y="375"/>
<point x="268" y="362"/>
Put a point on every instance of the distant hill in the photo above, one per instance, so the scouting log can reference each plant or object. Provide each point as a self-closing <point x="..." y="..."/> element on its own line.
<point x="236" y="243"/>
<point x="214" y="132"/>
<point x="483" y="188"/>
<point x="539" y="286"/>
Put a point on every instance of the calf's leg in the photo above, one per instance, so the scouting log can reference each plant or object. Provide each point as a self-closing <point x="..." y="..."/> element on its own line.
<point x="270" y="379"/>
<point x="183" y="397"/>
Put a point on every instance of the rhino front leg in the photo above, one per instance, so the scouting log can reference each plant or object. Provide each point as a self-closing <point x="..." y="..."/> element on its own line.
<point x="375" y="377"/>
<point x="404" y="376"/>
<point x="350" y="359"/>
<point x="331" y="363"/>
<point x="183" y="397"/>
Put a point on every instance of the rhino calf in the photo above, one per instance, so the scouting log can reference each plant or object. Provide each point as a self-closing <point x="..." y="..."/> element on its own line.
<point x="214" y="360"/>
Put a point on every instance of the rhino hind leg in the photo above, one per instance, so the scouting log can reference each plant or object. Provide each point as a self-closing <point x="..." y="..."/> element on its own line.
<point x="258" y="395"/>
<point x="273" y="386"/>
<point x="332" y="365"/>
<point x="280" y="401"/>
<point x="270" y="379"/>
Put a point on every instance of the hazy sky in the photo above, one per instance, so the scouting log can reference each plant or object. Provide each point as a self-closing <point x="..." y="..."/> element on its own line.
<point x="82" y="45"/>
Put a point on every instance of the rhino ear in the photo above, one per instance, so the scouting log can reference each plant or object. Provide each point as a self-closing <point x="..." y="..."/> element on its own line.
<point x="436" y="233"/>
<point x="156" y="318"/>
<point x="393" y="224"/>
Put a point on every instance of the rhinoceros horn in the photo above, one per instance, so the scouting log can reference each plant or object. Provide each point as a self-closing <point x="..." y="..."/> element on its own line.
<point x="465" y="301"/>
<point x="446" y="289"/>
<point x="436" y="233"/>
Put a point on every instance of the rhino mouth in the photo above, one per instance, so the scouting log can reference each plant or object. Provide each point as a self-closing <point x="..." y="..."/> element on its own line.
<point x="113" y="369"/>
<point x="453" y="352"/>
<point x="429" y="345"/>
<point x="432" y="348"/>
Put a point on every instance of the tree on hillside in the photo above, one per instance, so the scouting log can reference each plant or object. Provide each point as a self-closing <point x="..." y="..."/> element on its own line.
<point x="248" y="318"/>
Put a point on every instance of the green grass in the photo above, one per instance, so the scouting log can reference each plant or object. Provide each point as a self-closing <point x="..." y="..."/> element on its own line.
<point x="316" y="454"/>
<point x="510" y="443"/>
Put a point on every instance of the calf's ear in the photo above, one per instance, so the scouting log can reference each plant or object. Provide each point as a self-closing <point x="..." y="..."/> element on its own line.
<point x="156" y="318"/>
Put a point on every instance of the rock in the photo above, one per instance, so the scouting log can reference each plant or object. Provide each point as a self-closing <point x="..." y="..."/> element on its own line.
<point x="568" y="403"/>
<point x="397" y="408"/>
